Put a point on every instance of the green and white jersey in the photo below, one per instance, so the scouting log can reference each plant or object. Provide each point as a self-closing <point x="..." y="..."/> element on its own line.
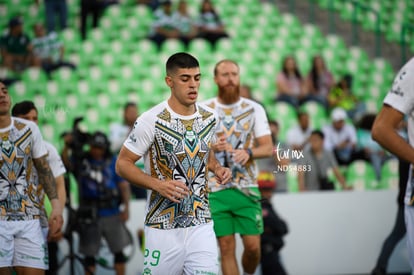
<point x="47" y="47"/>
<point x="175" y="147"/>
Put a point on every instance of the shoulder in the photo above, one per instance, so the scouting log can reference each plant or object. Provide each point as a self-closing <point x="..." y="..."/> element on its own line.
<point x="21" y="123"/>
<point x="49" y="146"/>
<point x="203" y="107"/>
<point x="153" y="113"/>
<point x="350" y="127"/>
<point x="211" y="102"/>
<point x="254" y="104"/>
<point x="148" y="118"/>
<point x="52" y="152"/>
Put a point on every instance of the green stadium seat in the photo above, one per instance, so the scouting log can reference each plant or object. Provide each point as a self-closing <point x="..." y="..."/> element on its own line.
<point x="292" y="181"/>
<point x="35" y="79"/>
<point x="19" y="91"/>
<point x="317" y="113"/>
<point x="171" y="46"/>
<point x="285" y="114"/>
<point x="390" y="175"/>
<point x="361" y="176"/>
<point x="90" y="52"/>
<point x="292" y="24"/>
<point x="201" y="48"/>
<point x="34" y="74"/>
<point x="70" y="36"/>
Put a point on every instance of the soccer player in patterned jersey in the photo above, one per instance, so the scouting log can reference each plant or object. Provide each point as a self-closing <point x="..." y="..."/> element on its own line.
<point x="243" y="134"/>
<point x="174" y="138"/>
<point x="398" y="103"/>
<point x="22" y="242"/>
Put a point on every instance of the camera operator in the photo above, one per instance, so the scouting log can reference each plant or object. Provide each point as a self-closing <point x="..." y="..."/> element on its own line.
<point x="103" y="198"/>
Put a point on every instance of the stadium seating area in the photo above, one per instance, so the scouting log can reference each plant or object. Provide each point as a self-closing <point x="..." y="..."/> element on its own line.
<point x="393" y="14"/>
<point x="117" y="63"/>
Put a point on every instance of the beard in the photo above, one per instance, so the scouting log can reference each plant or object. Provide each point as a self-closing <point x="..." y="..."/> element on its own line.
<point x="229" y="94"/>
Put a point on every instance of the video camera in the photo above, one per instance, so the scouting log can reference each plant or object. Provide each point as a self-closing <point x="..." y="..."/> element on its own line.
<point x="79" y="138"/>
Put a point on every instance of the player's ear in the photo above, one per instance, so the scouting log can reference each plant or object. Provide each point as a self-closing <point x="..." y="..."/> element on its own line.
<point x="168" y="81"/>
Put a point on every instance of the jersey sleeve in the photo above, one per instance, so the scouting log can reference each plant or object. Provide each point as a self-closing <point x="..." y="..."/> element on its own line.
<point x="55" y="161"/>
<point x="141" y="136"/>
<point x="261" y="127"/>
<point x="39" y="148"/>
<point x="401" y="94"/>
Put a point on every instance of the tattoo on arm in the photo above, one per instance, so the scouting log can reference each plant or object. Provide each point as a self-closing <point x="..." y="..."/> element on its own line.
<point x="46" y="177"/>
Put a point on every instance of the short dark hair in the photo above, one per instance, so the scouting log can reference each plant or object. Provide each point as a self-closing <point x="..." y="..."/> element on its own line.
<point x="23" y="107"/>
<point x="129" y="104"/>
<point x="181" y="60"/>
<point x="318" y="133"/>
<point x="274" y="122"/>
<point x="301" y="112"/>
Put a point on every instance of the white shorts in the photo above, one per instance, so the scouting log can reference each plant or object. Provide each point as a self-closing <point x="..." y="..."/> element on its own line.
<point x="22" y="243"/>
<point x="409" y="224"/>
<point x="191" y="250"/>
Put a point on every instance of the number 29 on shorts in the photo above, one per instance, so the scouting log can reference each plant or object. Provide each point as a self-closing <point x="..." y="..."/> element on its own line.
<point x="152" y="258"/>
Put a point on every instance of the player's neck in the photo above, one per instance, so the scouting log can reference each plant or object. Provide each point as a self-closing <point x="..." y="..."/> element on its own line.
<point x="184" y="110"/>
<point x="5" y="121"/>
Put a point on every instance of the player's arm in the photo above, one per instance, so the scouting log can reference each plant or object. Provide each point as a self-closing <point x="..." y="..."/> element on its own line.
<point x="340" y="177"/>
<point x="126" y="169"/>
<point x="222" y="174"/>
<point x="263" y="148"/>
<point x="384" y="131"/>
<point x="49" y="185"/>
<point x="125" y="196"/>
<point x="61" y="190"/>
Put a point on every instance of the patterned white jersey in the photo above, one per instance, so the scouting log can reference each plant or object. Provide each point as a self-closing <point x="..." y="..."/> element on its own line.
<point x="401" y="98"/>
<point x="241" y="122"/>
<point x="20" y="143"/>
<point x="175" y="147"/>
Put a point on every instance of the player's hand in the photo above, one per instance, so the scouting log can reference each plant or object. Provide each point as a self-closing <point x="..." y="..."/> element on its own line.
<point x="124" y="215"/>
<point x="55" y="226"/>
<point x="56" y="237"/>
<point x="173" y="190"/>
<point x="240" y="156"/>
<point x="55" y="219"/>
<point x="347" y="187"/>
<point x="222" y="175"/>
<point x="221" y="144"/>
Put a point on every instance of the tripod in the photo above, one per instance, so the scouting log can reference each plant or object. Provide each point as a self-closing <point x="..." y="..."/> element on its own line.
<point x="72" y="226"/>
<point x="68" y="235"/>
